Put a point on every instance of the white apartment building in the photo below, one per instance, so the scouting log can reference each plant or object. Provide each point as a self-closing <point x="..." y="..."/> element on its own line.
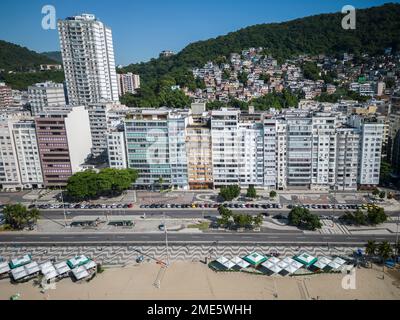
<point x="177" y="124"/>
<point x="128" y="83"/>
<point x="323" y="151"/>
<point x="88" y="58"/>
<point x="347" y="158"/>
<point x="27" y="151"/>
<point x="371" y="141"/>
<point x="10" y="178"/>
<point x="116" y="150"/>
<point x="251" y="153"/>
<point x="103" y="118"/>
<point x="225" y="147"/>
<point x="42" y="96"/>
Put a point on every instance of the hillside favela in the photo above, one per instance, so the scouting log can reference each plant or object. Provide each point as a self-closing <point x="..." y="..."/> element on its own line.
<point x="249" y="156"/>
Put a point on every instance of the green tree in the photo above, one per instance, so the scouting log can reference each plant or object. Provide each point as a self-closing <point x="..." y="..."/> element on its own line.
<point x="382" y="194"/>
<point x="18" y="216"/>
<point x="311" y="71"/>
<point x="385" y="250"/>
<point x="273" y="194"/>
<point x="385" y="172"/>
<point x="376" y="215"/>
<point x="258" y="220"/>
<point x="371" y="248"/>
<point x="251" y="192"/>
<point x="228" y="193"/>
<point x="226" y="215"/>
<point x="88" y="184"/>
<point x="302" y="217"/>
<point x="375" y="192"/>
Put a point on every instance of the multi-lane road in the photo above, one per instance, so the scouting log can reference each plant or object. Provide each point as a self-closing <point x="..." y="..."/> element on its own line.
<point x="210" y="237"/>
<point x="177" y="213"/>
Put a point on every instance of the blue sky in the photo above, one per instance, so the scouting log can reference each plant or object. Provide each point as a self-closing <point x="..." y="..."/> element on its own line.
<point x="142" y="29"/>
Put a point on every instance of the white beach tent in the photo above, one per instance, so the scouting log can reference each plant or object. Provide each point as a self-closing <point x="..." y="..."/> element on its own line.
<point x="80" y="273"/>
<point x="334" y="265"/>
<point x="4" y="268"/>
<point x="289" y="260"/>
<point x="48" y="271"/>
<point x="297" y="265"/>
<point x="240" y="263"/>
<point x="90" y="265"/>
<point x="322" y="263"/>
<point x="291" y="269"/>
<point x="276" y="269"/>
<point x="274" y="260"/>
<point x="18" y="273"/>
<point x="62" y="268"/>
<point x="32" y="268"/>
<point x="282" y="265"/>
<point x="267" y="264"/>
<point x="339" y="261"/>
<point x="226" y="263"/>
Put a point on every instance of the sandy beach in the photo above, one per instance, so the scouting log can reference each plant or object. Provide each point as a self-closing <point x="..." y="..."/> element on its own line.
<point x="186" y="280"/>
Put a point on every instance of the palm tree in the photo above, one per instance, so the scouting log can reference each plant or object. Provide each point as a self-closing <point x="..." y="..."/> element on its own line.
<point x="385" y="250"/>
<point x="371" y="248"/>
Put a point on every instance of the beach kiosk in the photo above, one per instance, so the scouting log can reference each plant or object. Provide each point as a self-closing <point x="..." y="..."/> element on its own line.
<point x="77" y="261"/>
<point x="306" y="259"/>
<point x="20" y="262"/>
<point x="255" y="259"/>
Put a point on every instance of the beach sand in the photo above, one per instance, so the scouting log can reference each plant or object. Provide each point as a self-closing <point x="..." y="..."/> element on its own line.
<point x="187" y="280"/>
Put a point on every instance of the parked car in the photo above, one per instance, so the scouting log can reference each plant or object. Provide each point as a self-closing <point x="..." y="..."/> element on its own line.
<point x="161" y="227"/>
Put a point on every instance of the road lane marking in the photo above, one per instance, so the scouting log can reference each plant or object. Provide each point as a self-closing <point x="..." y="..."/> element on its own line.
<point x="93" y="237"/>
<point x="247" y="237"/>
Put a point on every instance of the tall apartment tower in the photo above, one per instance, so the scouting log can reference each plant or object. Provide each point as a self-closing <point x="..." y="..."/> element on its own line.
<point x="46" y="95"/>
<point x="128" y="83"/>
<point x="6" y="98"/>
<point x="88" y="58"/>
<point x="64" y="143"/>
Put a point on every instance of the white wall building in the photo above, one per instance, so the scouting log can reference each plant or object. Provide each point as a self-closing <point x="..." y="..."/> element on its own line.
<point x="46" y="95"/>
<point x="225" y="148"/>
<point x="116" y="150"/>
<point x="88" y="59"/>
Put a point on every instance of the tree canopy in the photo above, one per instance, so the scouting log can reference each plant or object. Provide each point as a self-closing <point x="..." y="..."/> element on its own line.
<point x="228" y="193"/>
<point x="17" y="216"/>
<point x="301" y="217"/>
<point x="108" y="182"/>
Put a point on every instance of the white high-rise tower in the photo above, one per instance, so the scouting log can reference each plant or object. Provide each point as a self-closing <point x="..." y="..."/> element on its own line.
<point x="88" y="58"/>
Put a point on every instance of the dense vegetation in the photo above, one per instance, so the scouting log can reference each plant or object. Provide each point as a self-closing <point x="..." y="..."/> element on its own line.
<point x="17" y="216"/>
<point x="341" y="94"/>
<point x="303" y="218"/>
<point x="228" y="193"/>
<point x="232" y="220"/>
<point x="88" y="184"/>
<point x="22" y="80"/>
<point x="53" y="55"/>
<point x="17" y="58"/>
<point x="377" y="29"/>
<point x="374" y="216"/>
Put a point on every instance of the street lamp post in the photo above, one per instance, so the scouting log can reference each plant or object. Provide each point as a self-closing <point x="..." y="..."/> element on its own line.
<point x="65" y="215"/>
<point x="166" y="240"/>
